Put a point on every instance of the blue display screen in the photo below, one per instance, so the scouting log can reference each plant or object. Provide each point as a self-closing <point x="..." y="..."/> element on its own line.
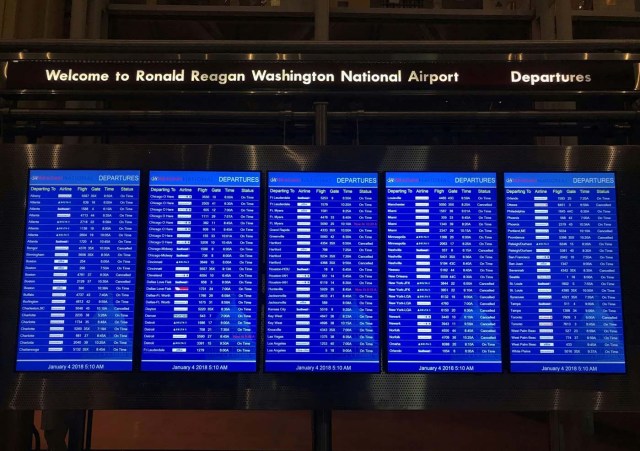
<point x="443" y="289"/>
<point x="565" y="309"/>
<point x="78" y="287"/>
<point x="322" y="272"/>
<point x="201" y="295"/>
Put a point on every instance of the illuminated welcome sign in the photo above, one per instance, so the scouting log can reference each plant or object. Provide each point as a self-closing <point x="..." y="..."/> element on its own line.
<point x="221" y="76"/>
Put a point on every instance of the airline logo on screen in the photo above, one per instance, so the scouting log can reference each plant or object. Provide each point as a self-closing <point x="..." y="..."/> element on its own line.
<point x="158" y="178"/>
<point x="402" y="180"/>
<point x="285" y="180"/>
<point x="45" y="177"/>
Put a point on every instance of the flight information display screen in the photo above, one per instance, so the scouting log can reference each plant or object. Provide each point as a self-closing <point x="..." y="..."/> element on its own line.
<point x="443" y="288"/>
<point x="322" y="272"/>
<point x="78" y="287"/>
<point x="565" y="306"/>
<point x="201" y="296"/>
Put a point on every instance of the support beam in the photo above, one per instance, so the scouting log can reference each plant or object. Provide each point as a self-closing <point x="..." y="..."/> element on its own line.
<point x="321" y="20"/>
<point x="564" y="20"/>
<point x="54" y="19"/>
<point x="3" y="6"/>
<point x="544" y="25"/>
<point x="556" y="436"/>
<point x="320" y="109"/>
<point x="554" y="20"/>
<point x="96" y="23"/>
<point x="29" y="20"/>
<point x="78" y="26"/>
<point x="570" y="431"/>
<point x="9" y="14"/>
<point x="322" y="440"/>
<point x="16" y="427"/>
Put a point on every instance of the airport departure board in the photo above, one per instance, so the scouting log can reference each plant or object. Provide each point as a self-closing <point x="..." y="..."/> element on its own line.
<point x="565" y="306"/>
<point x="78" y="287"/>
<point x="443" y="288"/>
<point x="201" y="296"/>
<point x="322" y="272"/>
